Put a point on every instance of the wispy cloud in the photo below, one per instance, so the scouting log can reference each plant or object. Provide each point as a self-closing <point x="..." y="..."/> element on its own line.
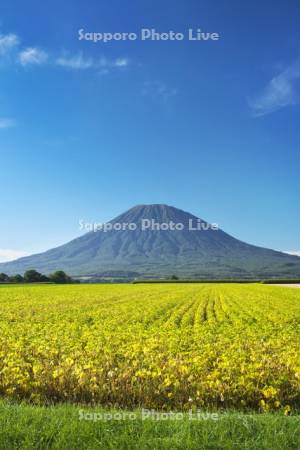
<point x="11" y="52"/>
<point x="78" y="62"/>
<point x="9" y="254"/>
<point x="81" y="62"/>
<point x="121" y="62"/>
<point x="296" y="253"/>
<point x="6" y="122"/>
<point x="159" y="89"/>
<point x="281" y="91"/>
<point x="7" y="43"/>
<point x="32" y="56"/>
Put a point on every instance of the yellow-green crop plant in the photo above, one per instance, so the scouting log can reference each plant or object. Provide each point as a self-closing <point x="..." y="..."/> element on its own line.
<point x="179" y="346"/>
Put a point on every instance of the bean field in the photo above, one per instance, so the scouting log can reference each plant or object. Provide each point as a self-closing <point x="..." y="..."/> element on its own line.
<point x="168" y="346"/>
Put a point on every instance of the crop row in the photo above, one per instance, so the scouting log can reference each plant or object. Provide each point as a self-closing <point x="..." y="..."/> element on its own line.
<point x="157" y="346"/>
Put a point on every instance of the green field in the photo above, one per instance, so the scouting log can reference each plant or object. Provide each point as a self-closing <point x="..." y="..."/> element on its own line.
<point x="58" y="427"/>
<point x="170" y="347"/>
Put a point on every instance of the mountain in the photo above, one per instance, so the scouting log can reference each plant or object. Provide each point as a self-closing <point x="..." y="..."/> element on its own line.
<point x="186" y="252"/>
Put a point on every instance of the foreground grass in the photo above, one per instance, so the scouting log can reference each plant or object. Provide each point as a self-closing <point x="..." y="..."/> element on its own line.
<point x="58" y="427"/>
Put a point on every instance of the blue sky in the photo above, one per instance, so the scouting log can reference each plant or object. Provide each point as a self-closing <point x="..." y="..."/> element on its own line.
<point x="88" y="130"/>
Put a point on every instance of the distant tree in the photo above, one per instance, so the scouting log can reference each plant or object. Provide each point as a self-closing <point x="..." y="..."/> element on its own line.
<point x="4" y="278"/>
<point x="16" y="278"/>
<point x="174" y="277"/>
<point x="60" y="277"/>
<point x="32" y="276"/>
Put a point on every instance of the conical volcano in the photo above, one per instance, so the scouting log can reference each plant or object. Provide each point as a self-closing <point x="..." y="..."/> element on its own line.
<point x="158" y="241"/>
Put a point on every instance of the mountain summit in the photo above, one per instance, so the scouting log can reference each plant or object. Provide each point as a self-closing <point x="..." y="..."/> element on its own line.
<point x="159" y="240"/>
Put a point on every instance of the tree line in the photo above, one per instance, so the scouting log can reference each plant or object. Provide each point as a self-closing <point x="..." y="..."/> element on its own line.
<point x="32" y="276"/>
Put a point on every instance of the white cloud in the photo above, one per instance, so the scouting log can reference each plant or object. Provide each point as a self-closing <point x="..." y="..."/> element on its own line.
<point x="105" y="65"/>
<point x="280" y="92"/>
<point x="75" y="62"/>
<point x="8" y="42"/>
<point x="296" y="253"/>
<point x="6" y="122"/>
<point x="159" y="89"/>
<point x="121" y="62"/>
<point x="32" y="56"/>
<point x="9" y="255"/>
<point x="81" y="62"/>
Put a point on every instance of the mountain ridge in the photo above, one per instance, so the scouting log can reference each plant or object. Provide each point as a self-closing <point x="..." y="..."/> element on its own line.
<point x="185" y="252"/>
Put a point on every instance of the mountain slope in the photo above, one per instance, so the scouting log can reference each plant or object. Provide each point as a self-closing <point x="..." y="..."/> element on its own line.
<point x="186" y="252"/>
